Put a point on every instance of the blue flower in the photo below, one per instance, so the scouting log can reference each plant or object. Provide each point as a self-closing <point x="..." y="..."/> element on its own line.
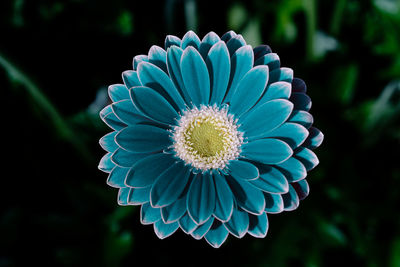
<point x="209" y="136"/>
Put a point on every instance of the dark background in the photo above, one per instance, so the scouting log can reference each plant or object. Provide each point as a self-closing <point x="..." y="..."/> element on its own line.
<point x="57" y="59"/>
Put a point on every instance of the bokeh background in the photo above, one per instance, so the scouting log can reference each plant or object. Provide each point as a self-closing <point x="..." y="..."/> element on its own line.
<point x="57" y="58"/>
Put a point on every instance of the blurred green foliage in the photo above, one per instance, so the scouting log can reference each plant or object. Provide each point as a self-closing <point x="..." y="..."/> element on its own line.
<point x="57" y="59"/>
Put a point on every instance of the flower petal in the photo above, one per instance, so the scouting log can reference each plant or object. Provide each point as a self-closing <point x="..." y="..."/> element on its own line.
<point x="149" y="215"/>
<point x="114" y="122"/>
<point x="148" y="169"/>
<point x="175" y="211"/>
<point x="139" y="196"/>
<point x="277" y="90"/>
<point x="245" y="170"/>
<point x="227" y="36"/>
<point x="302" y="189"/>
<point x="201" y="198"/>
<point x="124" y="158"/>
<point x="158" y="57"/>
<point x="281" y="74"/>
<point x="136" y="61"/>
<point x="208" y="41"/>
<point x="195" y="76"/>
<point x="271" y="60"/>
<point x="169" y="185"/>
<point x="248" y="197"/>
<point x="239" y="223"/>
<point x="235" y="43"/>
<point x="241" y="63"/>
<point x="190" y="39"/>
<point x="293" y="170"/>
<point x="273" y="203"/>
<point x="187" y="224"/>
<point x="143" y="138"/>
<point x="258" y="225"/>
<point x="123" y="194"/>
<point x="164" y="230"/>
<point x="130" y="79"/>
<point x="155" y="78"/>
<point x="301" y="101"/>
<point x="171" y="40"/>
<point x="127" y="112"/>
<point x="118" y="92"/>
<point x="174" y="55"/>
<point x="249" y="90"/>
<point x="290" y="200"/>
<point x="154" y="105"/>
<point x="223" y="198"/>
<point x="116" y="178"/>
<point x="217" y="234"/>
<point x="299" y="86"/>
<point x="107" y="142"/>
<point x="219" y="67"/>
<point x="271" y="180"/>
<point x="302" y="117"/>
<point x="202" y="229"/>
<point x="265" y="117"/>
<point x="314" y="139"/>
<point x="267" y="151"/>
<point x="307" y="157"/>
<point x="292" y="133"/>
<point x="105" y="111"/>
<point x="105" y="164"/>
<point x="261" y="50"/>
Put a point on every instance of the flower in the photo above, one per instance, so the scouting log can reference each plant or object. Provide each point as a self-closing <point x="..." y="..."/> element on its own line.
<point x="209" y="136"/>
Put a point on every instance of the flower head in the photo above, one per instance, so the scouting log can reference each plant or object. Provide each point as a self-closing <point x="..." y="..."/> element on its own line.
<point x="209" y="136"/>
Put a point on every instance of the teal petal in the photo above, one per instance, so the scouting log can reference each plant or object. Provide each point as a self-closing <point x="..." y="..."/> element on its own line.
<point x="137" y="60"/>
<point x="261" y="50"/>
<point x="116" y="178"/>
<point x="187" y="224"/>
<point x="299" y="86"/>
<point x="235" y="43"/>
<point x="107" y="142"/>
<point x="258" y="225"/>
<point x="290" y="200"/>
<point x="158" y="57"/>
<point x="143" y="138"/>
<point x="149" y="215"/>
<point x="273" y="203"/>
<point x="130" y="79"/>
<point x="152" y="76"/>
<point x="105" y="111"/>
<point x="217" y="234"/>
<point x="245" y="170"/>
<point x="241" y="63"/>
<point x="307" y="157"/>
<point x="277" y="90"/>
<point x="292" y="133"/>
<point x="301" y="101"/>
<point x="148" y="169"/>
<point x="169" y="185"/>
<point x="281" y="74"/>
<point x="293" y="170"/>
<point x="174" y="55"/>
<point x="302" y="189"/>
<point x="227" y="36"/>
<point x="200" y="231"/>
<point x="124" y="158"/>
<point x="114" y="122"/>
<point x="190" y="39"/>
<point x="118" y="92"/>
<point x="175" y="211"/>
<point x="223" y="198"/>
<point x="271" y="180"/>
<point x="123" y="194"/>
<point x="314" y="139"/>
<point x="219" y="67"/>
<point x="302" y="117"/>
<point x="239" y="223"/>
<point x="208" y="41"/>
<point x="127" y="112"/>
<point x="195" y="76"/>
<point x="249" y="90"/>
<point x="139" y="196"/>
<point x="201" y="198"/>
<point x="267" y="151"/>
<point x="265" y="117"/>
<point x="271" y="60"/>
<point x="105" y="164"/>
<point x="164" y="230"/>
<point x="248" y="197"/>
<point x="171" y="40"/>
<point x="154" y="105"/>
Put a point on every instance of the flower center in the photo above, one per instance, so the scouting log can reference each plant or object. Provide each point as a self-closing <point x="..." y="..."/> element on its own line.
<point x="207" y="138"/>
